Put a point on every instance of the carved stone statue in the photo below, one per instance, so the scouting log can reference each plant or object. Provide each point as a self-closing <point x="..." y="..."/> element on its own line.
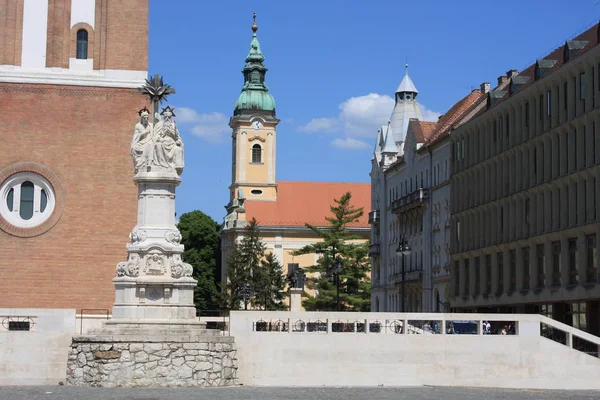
<point x="168" y="147"/>
<point x="142" y="143"/>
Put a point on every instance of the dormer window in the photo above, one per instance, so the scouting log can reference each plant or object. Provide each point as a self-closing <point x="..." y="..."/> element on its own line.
<point x="82" y="44"/>
<point x="256" y="154"/>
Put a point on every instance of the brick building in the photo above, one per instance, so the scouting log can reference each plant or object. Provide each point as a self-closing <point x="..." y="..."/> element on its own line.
<point x="69" y="70"/>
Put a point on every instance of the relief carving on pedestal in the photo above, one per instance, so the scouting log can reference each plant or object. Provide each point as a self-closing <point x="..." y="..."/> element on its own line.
<point x="155" y="265"/>
<point x="130" y="267"/>
<point x="173" y="236"/>
<point x="137" y="235"/>
<point x="179" y="268"/>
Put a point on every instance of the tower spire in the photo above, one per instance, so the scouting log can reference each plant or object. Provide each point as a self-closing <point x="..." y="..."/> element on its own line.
<point x="255" y="96"/>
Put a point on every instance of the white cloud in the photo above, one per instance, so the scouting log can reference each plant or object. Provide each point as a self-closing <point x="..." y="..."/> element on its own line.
<point x="349" y="144"/>
<point x="429" y="115"/>
<point x="360" y="117"/>
<point x="320" y="125"/>
<point x="212" y="127"/>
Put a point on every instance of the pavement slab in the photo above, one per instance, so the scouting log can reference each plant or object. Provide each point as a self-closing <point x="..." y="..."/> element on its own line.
<point x="291" y="393"/>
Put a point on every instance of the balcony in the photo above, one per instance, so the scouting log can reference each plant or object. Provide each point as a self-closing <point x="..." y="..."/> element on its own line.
<point x="410" y="201"/>
<point x="374" y="217"/>
<point x="374" y="249"/>
<point x="414" y="275"/>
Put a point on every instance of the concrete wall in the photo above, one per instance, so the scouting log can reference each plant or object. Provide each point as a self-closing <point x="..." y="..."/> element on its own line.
<point x="524" y="360"/>
<point x="38" y="356"/>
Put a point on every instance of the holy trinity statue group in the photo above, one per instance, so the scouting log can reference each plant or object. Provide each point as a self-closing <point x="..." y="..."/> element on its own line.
<point x="157" y="145"/>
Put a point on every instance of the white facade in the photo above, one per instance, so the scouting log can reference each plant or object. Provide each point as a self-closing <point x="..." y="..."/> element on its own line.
<point x="411" y="206"/>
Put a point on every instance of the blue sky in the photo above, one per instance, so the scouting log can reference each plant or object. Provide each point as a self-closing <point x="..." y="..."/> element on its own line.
<point x="333" y="66"/>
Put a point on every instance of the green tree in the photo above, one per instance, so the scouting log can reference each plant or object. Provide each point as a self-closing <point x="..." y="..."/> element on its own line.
<point x="270" y="284"/>
<point x="243" y="269"/>
<point x="352" y="259"/>
<point x="199" y="235"/>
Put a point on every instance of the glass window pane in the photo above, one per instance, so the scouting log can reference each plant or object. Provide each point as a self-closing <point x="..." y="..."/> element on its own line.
<point x="82" y="44"/>
<point x="26" y="201"/>
<point x="43" y="201"/>
<point x="10" y="198"/>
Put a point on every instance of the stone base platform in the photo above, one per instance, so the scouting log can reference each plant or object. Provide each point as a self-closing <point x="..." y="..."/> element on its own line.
<point x="157" y="356"/>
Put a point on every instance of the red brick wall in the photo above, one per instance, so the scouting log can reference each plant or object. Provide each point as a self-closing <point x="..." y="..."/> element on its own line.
<point x="121" y="35"/>
<point x="11" y="31"/>
<point x="57" y="36"/>
<point x="83" y="135"/>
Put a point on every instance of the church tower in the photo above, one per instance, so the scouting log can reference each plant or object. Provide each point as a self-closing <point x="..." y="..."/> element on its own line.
<point x="254" y="132"/>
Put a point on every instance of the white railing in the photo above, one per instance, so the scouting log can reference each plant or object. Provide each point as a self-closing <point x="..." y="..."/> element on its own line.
<point x="308" y="323"/>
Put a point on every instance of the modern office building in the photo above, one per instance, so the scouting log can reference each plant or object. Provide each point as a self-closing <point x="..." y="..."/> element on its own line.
<point x="525" y="188"/>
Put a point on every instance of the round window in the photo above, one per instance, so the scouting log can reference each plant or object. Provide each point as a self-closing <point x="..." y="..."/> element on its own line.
<point x="26" y="200"/>
<point x="256" y="192"/>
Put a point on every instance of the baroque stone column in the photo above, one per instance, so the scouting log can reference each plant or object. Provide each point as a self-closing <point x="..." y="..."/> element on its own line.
<point x="154" y="283"/>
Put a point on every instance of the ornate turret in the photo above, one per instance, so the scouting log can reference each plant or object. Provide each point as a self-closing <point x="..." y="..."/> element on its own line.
<point x="255" y="97"/>
<point x="405" y="108"/>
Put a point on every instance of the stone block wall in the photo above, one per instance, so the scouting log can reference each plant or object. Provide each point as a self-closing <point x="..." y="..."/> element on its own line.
<point x="152" y="364"/>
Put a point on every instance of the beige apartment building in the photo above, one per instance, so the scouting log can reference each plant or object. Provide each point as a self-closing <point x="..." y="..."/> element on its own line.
<point x="525" y="190"/>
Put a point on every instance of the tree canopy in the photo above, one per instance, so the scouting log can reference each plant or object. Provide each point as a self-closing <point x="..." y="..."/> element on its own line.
<point x="338" y="251"/>
<point x="199" y="234"/>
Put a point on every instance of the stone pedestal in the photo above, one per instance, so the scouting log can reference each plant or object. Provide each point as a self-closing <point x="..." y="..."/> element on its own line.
<point x="295" y="299"/>
<point x="154" y="283"/>
<point x="168" y="359"/>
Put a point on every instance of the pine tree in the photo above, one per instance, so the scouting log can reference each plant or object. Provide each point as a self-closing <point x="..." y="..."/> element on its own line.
<point x="243" y="269"/>
<point x="270" y="284"/>
<point x="337" y="249"/>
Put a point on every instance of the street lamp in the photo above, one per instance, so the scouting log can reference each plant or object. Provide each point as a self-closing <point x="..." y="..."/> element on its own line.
<point x="246" y="292"/>
<point x="404" y="250"/>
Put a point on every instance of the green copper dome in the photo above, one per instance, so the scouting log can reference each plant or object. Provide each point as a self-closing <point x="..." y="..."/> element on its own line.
<point x="255" y="96"/>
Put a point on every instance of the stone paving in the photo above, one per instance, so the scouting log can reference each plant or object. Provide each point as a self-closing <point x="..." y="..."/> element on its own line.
<point x="288" y="393"/>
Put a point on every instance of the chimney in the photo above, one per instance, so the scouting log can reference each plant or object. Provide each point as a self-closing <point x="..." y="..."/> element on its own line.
<point x="502" y="79"/>
<point x="485" y="87"/>
<point x="511" y="73"/>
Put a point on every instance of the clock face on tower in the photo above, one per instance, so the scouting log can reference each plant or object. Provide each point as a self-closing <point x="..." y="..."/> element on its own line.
<point x="257" y="124"/>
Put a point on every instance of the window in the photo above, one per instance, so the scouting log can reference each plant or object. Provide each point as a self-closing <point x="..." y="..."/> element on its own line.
<point x="565" y="94"/>
<point x="488" y="273"/>
<point x="548" y="103"/>
<point x="556" y="267"/>
<point x="457" y="280"/>
<point x="526" y="276"/>
<point x="526" y="115"/>
<point x="592" y="258"/>
<point x="26" y="200"/>
<point x="82" y="44"/>
<point x="500" y="273"/>
<point x="467" y="276"/>
<point x="512" y="271"/>
<point x="477" y="275"/>
<point x="541" y="106"/>
<point x="573" y="279"/>
<point x="582" y="86"/>
<point x="257" y="154"/>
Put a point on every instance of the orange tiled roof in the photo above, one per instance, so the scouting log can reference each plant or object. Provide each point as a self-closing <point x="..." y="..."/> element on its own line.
<point x="454" y="114"/>
<point x="308" y="202"/>
<point x="421" y="129"/>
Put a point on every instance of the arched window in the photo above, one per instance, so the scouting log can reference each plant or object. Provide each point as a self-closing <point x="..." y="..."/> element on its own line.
<point x="256" y="153"/>
<point x="82" y="44"/>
